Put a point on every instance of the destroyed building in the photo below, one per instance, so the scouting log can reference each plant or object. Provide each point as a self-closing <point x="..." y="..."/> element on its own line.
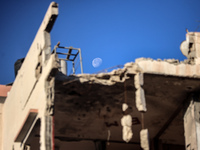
<point x="148" y="104"/>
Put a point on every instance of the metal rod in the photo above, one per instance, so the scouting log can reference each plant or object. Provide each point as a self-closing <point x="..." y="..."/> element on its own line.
<point x="69" y="54"/>
<point x="169" y="121"/>
<point x="125" y="93"/>
<point x="66" y="59"/>
<point x="81" y="63"/>
<point x="66" y="54"/>
<point x="142" y="118"/>
<point x="69" y="51"/>
<point x="29" y="131"/>
<point x="73" y="67"/>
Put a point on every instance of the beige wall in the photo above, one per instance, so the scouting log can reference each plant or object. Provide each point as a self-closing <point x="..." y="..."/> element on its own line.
<point x="2" y="99"/>
<point x="29" y="91"/>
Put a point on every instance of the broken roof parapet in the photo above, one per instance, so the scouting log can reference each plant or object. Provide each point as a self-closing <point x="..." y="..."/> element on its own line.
<point x="170" y="67"/>
<point x="167" y="67"/>
<point x="110" y="78"/>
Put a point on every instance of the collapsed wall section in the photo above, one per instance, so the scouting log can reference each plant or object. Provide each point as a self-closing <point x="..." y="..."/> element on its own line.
<point x="92" y="103"/>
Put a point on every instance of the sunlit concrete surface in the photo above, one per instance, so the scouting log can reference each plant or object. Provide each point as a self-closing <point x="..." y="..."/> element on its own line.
<point x="46" y="109"/>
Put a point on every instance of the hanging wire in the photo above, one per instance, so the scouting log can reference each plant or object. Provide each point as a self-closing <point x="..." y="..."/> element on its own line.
<point x="108" y="138"/>
<point x="125" y="92"/>
<point x="142" y="118"/>
<point x="75" y="65"/>
<point x="109" y="69"/>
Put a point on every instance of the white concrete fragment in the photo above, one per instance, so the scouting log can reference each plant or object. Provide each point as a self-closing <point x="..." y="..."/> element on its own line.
<point x="138" y="80"/>
<point x="124" y="107"/>
<point x="140" y="99"/>
<point x="126" y="123"/>
<point x="144" y="139"/>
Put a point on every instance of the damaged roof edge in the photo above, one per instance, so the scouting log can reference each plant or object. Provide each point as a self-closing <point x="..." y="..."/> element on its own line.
<point x="167" y="67"/>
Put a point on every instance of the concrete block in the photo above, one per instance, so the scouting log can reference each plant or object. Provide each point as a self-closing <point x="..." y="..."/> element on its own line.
<point x="144" y="139"/>
<point x="139" y="81"/>
<point x="124" y="107"/>
<point x="126" y="123"/>
<point x="140" y="100"/>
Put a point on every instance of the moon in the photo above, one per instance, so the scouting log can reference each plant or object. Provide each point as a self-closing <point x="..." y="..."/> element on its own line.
<point x="96" y="62"/>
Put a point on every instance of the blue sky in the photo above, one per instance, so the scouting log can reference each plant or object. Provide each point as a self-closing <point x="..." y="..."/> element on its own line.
<point x="117" y="31"/>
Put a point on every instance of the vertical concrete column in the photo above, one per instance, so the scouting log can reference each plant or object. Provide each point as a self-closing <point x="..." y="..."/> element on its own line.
<point x="192" y="125"/>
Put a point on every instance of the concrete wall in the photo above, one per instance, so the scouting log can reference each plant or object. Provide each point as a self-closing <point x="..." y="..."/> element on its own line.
<point x="2" y="99"/>
<point x="29" y="90"/>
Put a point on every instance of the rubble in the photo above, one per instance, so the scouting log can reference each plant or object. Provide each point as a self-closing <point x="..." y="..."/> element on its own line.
<point x="126" y="123"/>
<point x="144" y="138"/>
